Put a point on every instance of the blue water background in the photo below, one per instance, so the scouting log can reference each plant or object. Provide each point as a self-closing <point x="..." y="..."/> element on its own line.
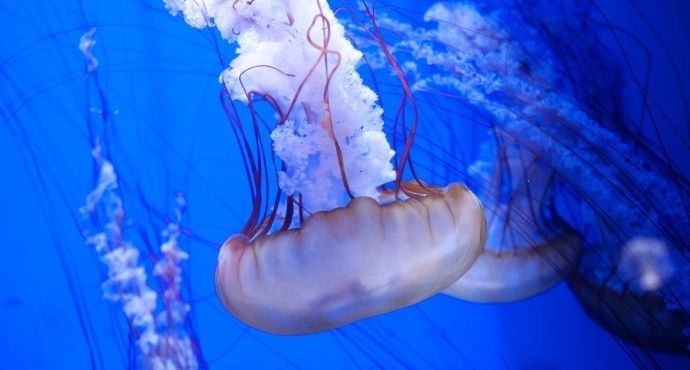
<point x="169" y="134"/>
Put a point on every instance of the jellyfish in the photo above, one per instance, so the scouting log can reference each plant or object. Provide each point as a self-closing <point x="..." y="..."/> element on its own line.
<point x="527" y="251"/>
<point x="148" y="95"/>
<point x="341" y="264"/>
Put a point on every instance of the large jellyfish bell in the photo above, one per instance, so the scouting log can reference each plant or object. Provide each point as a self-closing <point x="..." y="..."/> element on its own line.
<point x="350" y="263"/>
<point x="326" y="253"/>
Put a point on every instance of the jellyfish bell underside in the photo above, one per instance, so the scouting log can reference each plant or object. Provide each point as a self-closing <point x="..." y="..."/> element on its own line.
<point x="516" y="273"/>
<point x="523" y="257"/>
<point x="352" y="262"/>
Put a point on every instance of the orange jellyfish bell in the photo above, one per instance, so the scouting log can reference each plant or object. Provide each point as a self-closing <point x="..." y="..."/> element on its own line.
<point x="515" y="274"/>
<point x="352" y="262"/>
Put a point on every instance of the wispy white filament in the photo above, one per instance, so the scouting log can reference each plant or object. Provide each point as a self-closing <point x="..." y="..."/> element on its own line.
<point x="162" y="341"/>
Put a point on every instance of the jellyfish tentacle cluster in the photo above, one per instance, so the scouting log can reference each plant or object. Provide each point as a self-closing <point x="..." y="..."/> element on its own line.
<point x="162" y="339"/>
<point x="537" y="97"/>
<point x="162" y="335"/>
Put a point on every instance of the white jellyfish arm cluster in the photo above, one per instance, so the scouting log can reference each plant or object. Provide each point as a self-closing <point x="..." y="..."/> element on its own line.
<point x="295" y="51"/>
<point x="126" y="281"/>
<point x="162" y="340"/>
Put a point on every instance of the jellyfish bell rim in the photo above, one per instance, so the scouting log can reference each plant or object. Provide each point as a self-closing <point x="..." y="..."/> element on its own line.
<point x="295" y="282"/>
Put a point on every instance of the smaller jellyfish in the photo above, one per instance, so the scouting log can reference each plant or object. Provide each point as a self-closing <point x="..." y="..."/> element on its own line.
<point x="527" y="251"/>
<point x="644" y="319"/>
<point x="634" y="291"/>
<point x="320" y="251"/>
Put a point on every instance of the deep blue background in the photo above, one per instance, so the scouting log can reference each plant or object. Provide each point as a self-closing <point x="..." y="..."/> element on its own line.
<point x="167" y="133"/>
